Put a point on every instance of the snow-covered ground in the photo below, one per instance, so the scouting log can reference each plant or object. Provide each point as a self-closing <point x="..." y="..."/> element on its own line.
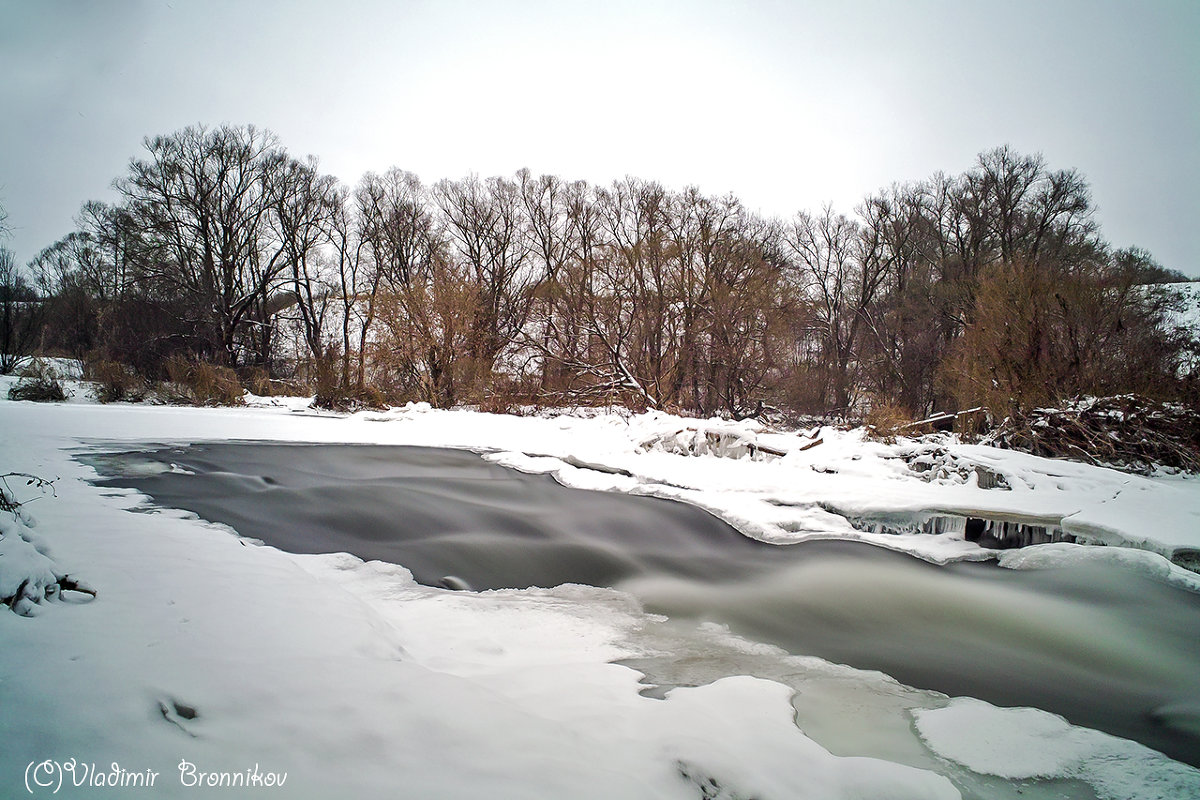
<point x="202" y="653"/>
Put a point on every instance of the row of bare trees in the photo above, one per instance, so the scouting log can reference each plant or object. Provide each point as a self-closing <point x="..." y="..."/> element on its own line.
<point x="20" y="307"/>
<point x="991" y="286"/>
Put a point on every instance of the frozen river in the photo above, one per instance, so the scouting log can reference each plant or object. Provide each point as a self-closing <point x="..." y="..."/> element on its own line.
<point x="1106" y="648"/>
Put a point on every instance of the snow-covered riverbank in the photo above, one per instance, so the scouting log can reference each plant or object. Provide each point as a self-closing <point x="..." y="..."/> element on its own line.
<point x="351" y="677"/>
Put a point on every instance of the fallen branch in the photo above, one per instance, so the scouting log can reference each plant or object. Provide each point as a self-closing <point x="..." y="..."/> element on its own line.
<point x="68" y="584"/>
<point x="948" y="416"/>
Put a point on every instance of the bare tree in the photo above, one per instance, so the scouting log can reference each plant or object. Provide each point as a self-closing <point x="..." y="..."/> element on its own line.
<point x="629" y="293"/>
<point x="725" y="295"/>
<point x="356" y="288"/>
<point x="397" y="231"/>
<point x="428" y="332"/>
<point x="20" y="314"/>
<point x="741" y="312"/>
<point x="202" y="199"/>
<point x="553" y="247"/>
<point x="486" y="228"/>
<point x="585" y="340"/>
<point x="303" y="204"/>
<point x="840" y="278"/>
<point x="641" y="271"/>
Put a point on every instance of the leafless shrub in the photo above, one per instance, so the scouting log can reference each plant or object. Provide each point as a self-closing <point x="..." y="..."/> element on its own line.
<point x="331" y="390"/>
<point x="257" y="380"/>
<point x="333" y="393"/>
<point x="204" y="383"/>
<point x="885" y="421"/>
<point x="1042" y="333"/>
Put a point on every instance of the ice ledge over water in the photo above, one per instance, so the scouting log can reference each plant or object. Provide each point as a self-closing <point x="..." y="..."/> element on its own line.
<point x="937" y="499"/>
<point x="1024" y="743"/>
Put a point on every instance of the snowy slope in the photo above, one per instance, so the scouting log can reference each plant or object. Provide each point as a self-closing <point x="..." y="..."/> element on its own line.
<point x="1186" y="317"/>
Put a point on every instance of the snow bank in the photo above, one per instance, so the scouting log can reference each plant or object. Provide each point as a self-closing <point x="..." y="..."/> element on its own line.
<point x="59" y="368"/>
<point x="27" y="576"/>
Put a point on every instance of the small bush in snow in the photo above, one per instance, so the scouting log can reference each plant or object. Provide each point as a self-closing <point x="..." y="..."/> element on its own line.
<point x="38" y="383"/>
<point x="257" y="380"/>
<point x="115" y="382"/>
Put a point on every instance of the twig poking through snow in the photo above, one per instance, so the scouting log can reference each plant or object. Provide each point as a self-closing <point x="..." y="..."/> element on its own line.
<point x="8" y="498"/>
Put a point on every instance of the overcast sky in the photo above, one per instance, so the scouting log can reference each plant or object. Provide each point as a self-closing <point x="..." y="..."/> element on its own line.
<point x="789" y="105"/>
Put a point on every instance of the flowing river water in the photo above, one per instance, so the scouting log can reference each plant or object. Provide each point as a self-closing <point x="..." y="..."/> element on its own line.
<point x="1103" y="646"/>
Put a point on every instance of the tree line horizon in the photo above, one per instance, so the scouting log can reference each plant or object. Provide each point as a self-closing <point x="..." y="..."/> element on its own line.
<point x="989" y="288"/>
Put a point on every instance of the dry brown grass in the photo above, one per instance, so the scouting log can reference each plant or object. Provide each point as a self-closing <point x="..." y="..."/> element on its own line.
<point x="114" y="381"/>
<point x="203" y="383"/>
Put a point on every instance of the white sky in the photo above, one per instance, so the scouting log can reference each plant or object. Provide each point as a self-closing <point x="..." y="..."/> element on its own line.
<point x="788" y="105"/>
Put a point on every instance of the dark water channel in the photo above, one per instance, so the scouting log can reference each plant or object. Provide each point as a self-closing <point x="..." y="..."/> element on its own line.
<point x="1104" y="647"/>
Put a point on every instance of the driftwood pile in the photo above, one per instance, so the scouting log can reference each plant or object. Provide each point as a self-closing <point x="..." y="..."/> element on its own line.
<point x="724" y="442"/>
<point x="1127" y="432"/>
